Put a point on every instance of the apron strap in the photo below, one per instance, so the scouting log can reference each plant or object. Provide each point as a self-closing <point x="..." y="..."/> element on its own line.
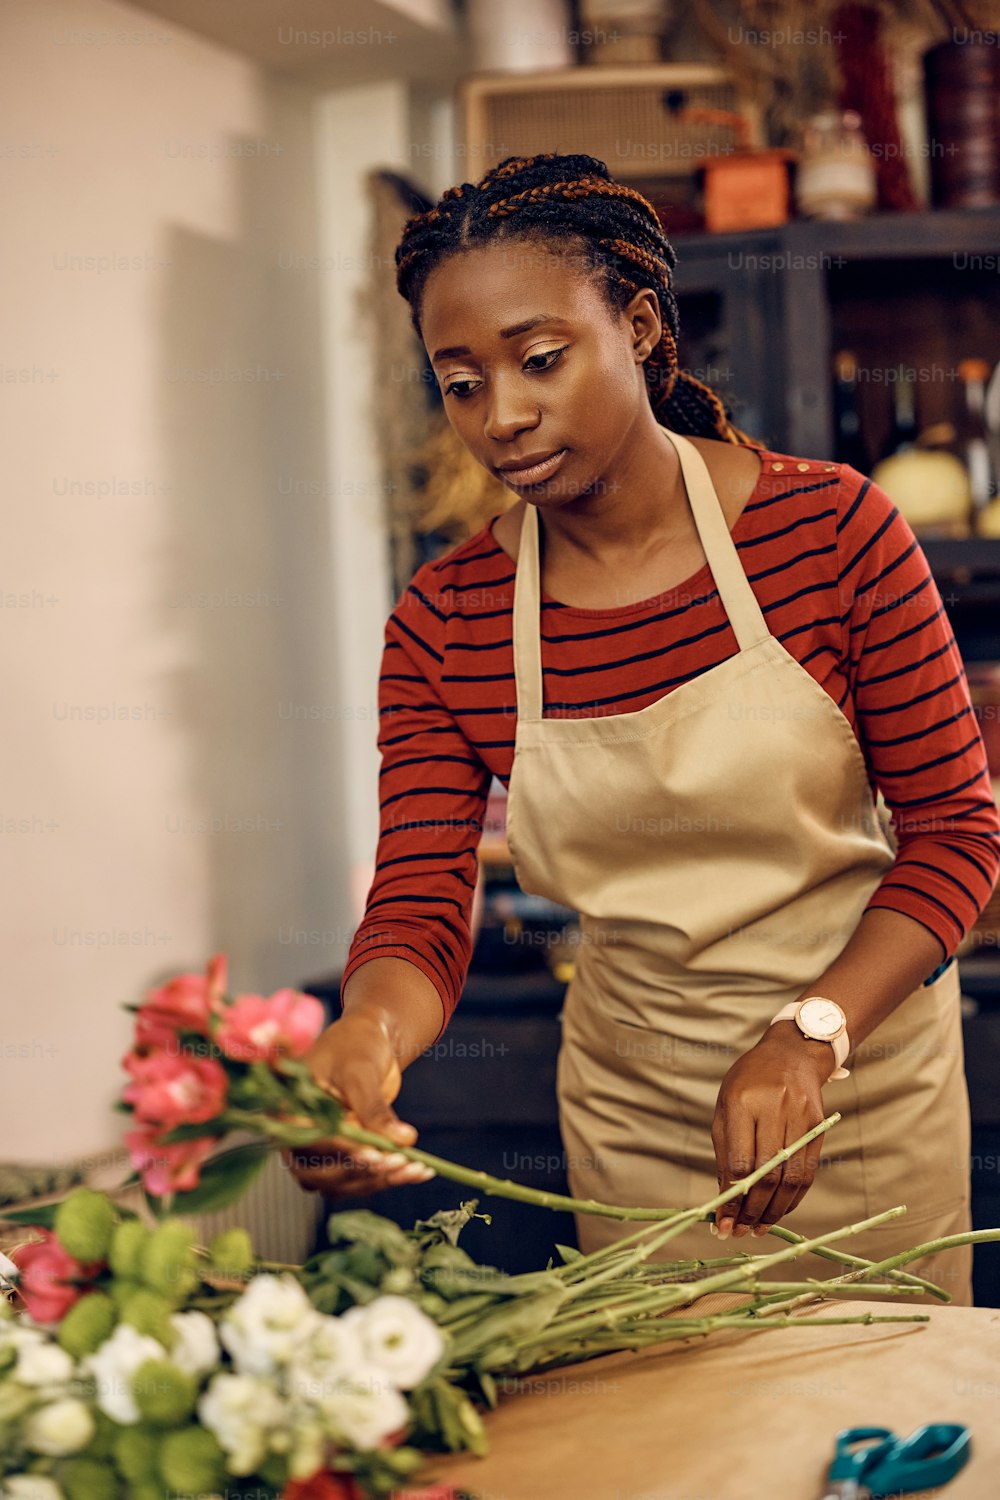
<point x="738" y="598"/>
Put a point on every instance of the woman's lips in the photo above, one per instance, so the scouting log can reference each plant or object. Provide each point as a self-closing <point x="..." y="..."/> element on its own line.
<point x="535" y="473"/>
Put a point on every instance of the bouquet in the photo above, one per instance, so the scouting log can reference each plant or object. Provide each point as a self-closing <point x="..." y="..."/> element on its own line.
<point x="133" y="1360"/>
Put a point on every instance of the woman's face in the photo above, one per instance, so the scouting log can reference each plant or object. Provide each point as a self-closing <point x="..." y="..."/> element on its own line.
<point x="535" y="369"/>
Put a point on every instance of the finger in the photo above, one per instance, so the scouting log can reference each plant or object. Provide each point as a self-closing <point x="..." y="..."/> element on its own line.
<point x="792" y="1179"/>
<point x="768" y="1141"/>
<point x="373" y="1111"/>
<point x="813" y="1154"/>
<point x="736" y="1148"/>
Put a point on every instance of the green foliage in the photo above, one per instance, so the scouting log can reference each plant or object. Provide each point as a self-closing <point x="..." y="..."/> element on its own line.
<point x="166" y="1260"/>
<point x="127" y="1240"/>
<point x="164" y="1394"/>
<point x="190" y="1461"/>
<point x="87" y="1324"/>
<point x="224" y="1179"/>
<point x="84" y="1222"/>
<point x="149" y="1312"/>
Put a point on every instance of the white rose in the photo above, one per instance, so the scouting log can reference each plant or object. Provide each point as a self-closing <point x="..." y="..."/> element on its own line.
<point x="113" y="1366"/>
<point x="30" y="1487"/>
<point x="365" y="1409"/>
<point x="241" y="1411"/>
<point x="399" y="1337"/>
<point x="264" y="1325"/>
<point x="196" y="1348"/>
<point x="330" y="1351"/>
<point x="43" y="1364"/>
<point x="61" y="1427"/>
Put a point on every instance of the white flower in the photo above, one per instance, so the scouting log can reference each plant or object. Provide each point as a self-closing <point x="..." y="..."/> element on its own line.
<point x="364" y="1409"/>
<point x="196" y="1348"/>
<point x="399" y="1337"/>
<point x="61" y="1427"/>
<point x="241" y="1411"/>
<point x="308" y="1451"/>
<point x="41" y="1363"/>
<point x="113" y="1366"/>
<point x="330" y="1351"/>
<point x="263" y="1327"/>
<point x="30" y="1487"/>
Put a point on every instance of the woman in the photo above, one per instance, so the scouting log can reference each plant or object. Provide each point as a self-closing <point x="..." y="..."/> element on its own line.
<point x="693" y="661"/>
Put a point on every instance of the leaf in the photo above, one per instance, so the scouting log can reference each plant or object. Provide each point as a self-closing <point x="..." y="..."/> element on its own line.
<point x="359" y="1226"/>
<point x="569" y="1254"/>
<point x="447" y="1224"/>
<point x="224" y="1178"/>
<point x="504" y="1325"/>
<point x="194" y="1132"/>
<point x="36" y="1218"/>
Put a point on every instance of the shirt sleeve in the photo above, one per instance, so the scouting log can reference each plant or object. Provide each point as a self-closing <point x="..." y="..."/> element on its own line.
<point x="916" y="724"/>
<point x="433" y="789"/>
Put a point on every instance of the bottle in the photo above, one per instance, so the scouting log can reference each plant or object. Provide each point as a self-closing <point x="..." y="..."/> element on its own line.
<point x="973" y="437"/>
<point x="848" y="445"/>
<point x="903" y="431"/>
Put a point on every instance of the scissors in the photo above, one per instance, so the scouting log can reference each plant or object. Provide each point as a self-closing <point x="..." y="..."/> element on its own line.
<point x="891" y="1465"/>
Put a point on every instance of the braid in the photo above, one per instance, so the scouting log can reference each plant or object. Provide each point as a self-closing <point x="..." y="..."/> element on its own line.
<point x="572" y="199"/>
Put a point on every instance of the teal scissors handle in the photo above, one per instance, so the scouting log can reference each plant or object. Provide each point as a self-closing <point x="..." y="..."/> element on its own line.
<point x="927" y="1458"/>
<point x="857" y="1449"/>
<point x="884" y="1464"/>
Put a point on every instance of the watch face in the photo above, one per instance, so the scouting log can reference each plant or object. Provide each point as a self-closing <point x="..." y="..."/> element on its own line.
<point x="821" y="1018"/>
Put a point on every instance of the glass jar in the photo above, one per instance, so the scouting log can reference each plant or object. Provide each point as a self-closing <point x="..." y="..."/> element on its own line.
<point x="835" y="178"/>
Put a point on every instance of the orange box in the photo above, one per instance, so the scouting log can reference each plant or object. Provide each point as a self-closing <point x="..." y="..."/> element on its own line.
<point x="747" y="190"/>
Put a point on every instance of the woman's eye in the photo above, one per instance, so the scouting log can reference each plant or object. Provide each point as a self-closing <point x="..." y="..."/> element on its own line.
<point x="460" y="388"/>
<point x="551" y="355"/>
<point x="548" y="357"/>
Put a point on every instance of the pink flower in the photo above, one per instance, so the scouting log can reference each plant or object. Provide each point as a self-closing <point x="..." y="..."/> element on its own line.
<point x="169" y="1089"/>
<point x="167" y="1168"/>
<point x="186" y="1002"/>
<point x="47" y="1274"/>
<point x="253" y="1028"/>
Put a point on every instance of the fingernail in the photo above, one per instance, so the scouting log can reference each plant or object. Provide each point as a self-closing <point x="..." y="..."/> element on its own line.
<point x="725" y="1228"/>
<point x="367" y="1154"/>
<point x="762" y="1229"/>
<point x="713" y="1228"/>
<point x="394" y="1159"/>
<point x="740" y="1231"/>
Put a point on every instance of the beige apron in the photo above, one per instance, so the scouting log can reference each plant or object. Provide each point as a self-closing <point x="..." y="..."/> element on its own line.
<point x="720" y="846"/>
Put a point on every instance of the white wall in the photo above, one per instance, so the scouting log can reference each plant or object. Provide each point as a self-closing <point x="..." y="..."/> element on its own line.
<point x="188" y="161"/>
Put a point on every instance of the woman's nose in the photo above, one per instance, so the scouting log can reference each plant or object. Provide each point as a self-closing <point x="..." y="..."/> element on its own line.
<point x="509" y="412"/>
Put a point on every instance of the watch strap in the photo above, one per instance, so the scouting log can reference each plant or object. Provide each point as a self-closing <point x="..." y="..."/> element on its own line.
<point x="840" y="1044"/>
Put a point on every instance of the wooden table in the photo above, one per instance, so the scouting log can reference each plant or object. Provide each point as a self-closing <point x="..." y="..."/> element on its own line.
<point x="742" y="1416"/>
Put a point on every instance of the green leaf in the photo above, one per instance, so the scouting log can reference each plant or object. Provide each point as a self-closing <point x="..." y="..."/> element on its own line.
<point x="569" y="1254"/>
<point x="359" y="1226"/>
<point x="40" y="1218"/>
<point x="224" y="1179"/>
<point x="194" y="1132"/>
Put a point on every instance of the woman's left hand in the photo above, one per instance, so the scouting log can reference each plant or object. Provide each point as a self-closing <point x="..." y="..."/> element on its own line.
<point x="770" y="1096"/>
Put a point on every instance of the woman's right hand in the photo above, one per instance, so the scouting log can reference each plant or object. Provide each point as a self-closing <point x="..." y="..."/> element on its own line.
<point x="353" y="1059"/>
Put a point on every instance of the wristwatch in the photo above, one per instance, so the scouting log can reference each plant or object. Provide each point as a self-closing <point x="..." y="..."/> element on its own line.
<point x="821" y="1020"/>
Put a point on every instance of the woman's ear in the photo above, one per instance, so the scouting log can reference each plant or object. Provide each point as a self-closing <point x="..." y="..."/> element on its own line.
<point x="643" y="313"/>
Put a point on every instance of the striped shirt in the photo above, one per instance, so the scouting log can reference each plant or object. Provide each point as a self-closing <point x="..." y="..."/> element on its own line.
<point x="843" y="585"/>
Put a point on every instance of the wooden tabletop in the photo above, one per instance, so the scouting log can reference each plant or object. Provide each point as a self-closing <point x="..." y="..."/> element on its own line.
<point x="742" y="1416"/>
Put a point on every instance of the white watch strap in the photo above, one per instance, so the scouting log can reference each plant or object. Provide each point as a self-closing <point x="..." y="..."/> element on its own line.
<point x="841" y="1044"/>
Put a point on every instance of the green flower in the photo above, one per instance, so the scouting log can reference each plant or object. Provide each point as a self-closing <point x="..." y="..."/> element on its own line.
<point x="101" y="1444"/>
<point x="166" y="1260"/>
<point x="127" y="1240"/>
<point x="134" y="1451"/>
<point x="232" y="1252"/>
<point x="164" y="1394"/>
<point x="121" y="1291"/>
<point x="191" y="1461"/>
<point x="87" y="1324"/>
<point x="84" y="1223"/>
<point x="88" y="1479"/>
<point x="148" y="1312"/>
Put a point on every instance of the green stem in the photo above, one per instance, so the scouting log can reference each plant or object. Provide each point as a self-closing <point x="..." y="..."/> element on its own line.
<point x="502" y="1187"/>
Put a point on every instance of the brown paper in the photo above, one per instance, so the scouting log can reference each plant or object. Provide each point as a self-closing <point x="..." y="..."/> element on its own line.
<point x="742" y="1416"/>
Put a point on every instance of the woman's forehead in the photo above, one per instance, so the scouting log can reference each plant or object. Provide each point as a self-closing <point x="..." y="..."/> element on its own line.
<point x="496" y="286"/>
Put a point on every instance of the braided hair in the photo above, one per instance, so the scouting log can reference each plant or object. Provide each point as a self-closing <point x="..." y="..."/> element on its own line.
<point x="573" y="202"/>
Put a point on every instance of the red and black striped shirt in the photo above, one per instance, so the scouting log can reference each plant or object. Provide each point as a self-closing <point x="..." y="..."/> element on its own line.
<point x="845" y="587"/>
